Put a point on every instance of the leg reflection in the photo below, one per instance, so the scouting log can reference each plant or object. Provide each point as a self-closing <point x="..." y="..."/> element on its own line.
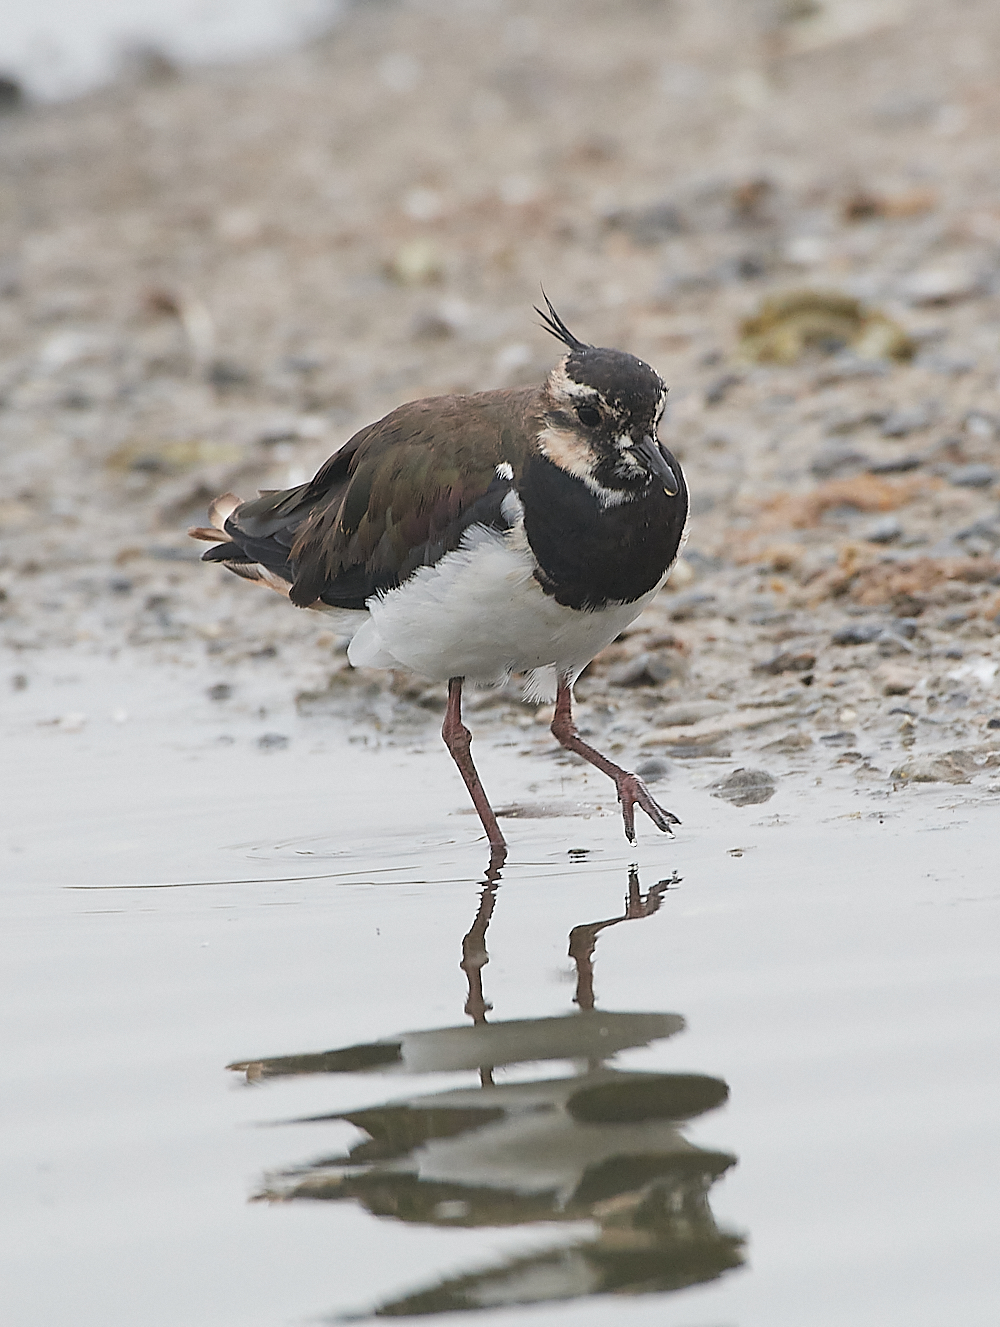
<point x="601" y="1145"/>
<point x="583" y="939"/>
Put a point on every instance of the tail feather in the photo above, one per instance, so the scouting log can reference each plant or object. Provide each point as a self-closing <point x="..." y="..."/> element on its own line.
<point x="260" y="553"/>
<point x="221" y="508"/>
<point x="207" y="534"/>
<point x="229" y="552"/>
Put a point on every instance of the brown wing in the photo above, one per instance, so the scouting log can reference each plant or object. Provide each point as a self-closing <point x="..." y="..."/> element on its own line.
<point x="399" y="495"/>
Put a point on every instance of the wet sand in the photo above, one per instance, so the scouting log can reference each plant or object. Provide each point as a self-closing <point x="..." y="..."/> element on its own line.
<point x="186" y="306"/>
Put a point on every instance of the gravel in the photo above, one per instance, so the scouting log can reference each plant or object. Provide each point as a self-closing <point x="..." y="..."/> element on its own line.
<point x="210" y="283"/>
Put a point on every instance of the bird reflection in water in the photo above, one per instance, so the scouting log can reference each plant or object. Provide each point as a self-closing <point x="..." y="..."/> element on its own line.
<point x="603" y="1147"/>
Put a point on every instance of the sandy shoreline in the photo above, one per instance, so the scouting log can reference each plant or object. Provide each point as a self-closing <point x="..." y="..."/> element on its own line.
<point x="210" y="282"/>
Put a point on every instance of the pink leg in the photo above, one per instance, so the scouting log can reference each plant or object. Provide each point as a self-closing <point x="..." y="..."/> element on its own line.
<point x="631" y="789"/>
<point x="458" y="740"/>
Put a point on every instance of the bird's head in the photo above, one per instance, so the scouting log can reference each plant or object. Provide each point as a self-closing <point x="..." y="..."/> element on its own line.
<point x="600" y="410"/>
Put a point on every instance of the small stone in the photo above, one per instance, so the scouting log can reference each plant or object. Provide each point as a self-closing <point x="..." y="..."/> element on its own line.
<point x="272" y="742"/>
<point x="896" y="681"/>
<point x="951" y="366"/>
<point x="952" y="767"/>
<point x="671" y="716"/>
<point x="986" y="530"/>
<point x="220" y="691"/>
<point x="745" y="787"/>
<point x="859" y="633"/>
<point x="225" y="373"/>
<point x="942" y="285"/>
<point x="848" y="421"/>
<point x="717" y="391"/>
<point x="982" y="425"/>
<point x="842" y="738"/>
<point x="653" y="770"/>
<point x="647" y="225"/>
<point x="993" y="723"/>
<point x="886" y="531"/>
<point x="790" y="743"/>
<point x="889" y="643"/>
<point x="696" y="604"/>
<point x="645" y="670"/>
<point x="701" y="562"/>
<point x="417" y="262"/>
<point x="787" y="663"/>
<point x="832" y="461"/>
<point x="900" y="423"/>
<point x="896" y="465"/>
<point x="972" y="476"/>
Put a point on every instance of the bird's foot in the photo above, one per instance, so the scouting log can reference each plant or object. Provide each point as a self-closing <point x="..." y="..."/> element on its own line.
<point x="632" y="792"/>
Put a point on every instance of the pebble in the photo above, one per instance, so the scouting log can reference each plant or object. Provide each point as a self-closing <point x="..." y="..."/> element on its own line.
<point x="653" y="770"/>
<point x="791" y="742"/>
<point x="972" y="476"/>
<point x="647" y="225"/>
<point x="646" y="670"/>
<point x="987" y="529"/>
<point x="417" y="262"/>
<point x="893" y="634"/>
<point x="896" y="465"/>
<point x="885" y="531"/>
<point x="834" y="460"/>
<point x="982" y="425"/>
<point x="675" y="716"/>
<point x="717" y="390"/>
<point x="900" y="423"/>
<point x="272" y="742"/>
<point x="896" y="680"/>
<point x="696" y="604"/>
<point x="952" y="767"/>
<point x="932" y="286"/>
<point x="858" y="633"/>
<point x="745" y="787"/>
<point x="787" y="663"/>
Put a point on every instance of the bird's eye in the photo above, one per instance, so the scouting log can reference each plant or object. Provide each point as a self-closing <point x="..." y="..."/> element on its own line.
<point x="588" y="416"/>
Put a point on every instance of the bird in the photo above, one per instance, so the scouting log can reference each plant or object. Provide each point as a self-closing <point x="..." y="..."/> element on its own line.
<point x="467" y="538"/>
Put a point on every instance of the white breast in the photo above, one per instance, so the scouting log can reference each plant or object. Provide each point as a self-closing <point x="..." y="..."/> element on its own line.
<point x="480" y="614"/>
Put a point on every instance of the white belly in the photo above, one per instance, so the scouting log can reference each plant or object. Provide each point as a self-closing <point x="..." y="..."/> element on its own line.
<point x="480" y="614"/>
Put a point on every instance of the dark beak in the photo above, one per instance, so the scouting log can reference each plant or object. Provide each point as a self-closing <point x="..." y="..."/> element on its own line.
<point x="648" y="452"/>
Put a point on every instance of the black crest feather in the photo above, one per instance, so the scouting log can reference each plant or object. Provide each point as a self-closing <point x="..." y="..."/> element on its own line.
<point x="555" y="325"/>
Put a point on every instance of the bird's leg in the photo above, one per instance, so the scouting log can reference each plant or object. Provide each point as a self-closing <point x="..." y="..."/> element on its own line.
<point x="632" y="791"/>
<point x="458" y="740"/>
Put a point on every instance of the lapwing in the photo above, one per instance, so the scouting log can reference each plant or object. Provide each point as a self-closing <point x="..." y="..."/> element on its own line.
<point x="469" y="538"/>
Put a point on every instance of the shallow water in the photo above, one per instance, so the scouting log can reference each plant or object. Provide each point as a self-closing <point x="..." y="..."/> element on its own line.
<point x="752" y="1081"/>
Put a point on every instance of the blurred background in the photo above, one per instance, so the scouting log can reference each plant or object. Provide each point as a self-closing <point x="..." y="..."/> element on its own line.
<point x="230" y="235"/>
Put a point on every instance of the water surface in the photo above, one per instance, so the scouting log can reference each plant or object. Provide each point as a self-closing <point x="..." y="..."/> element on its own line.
<point x="259" y="1070"/>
